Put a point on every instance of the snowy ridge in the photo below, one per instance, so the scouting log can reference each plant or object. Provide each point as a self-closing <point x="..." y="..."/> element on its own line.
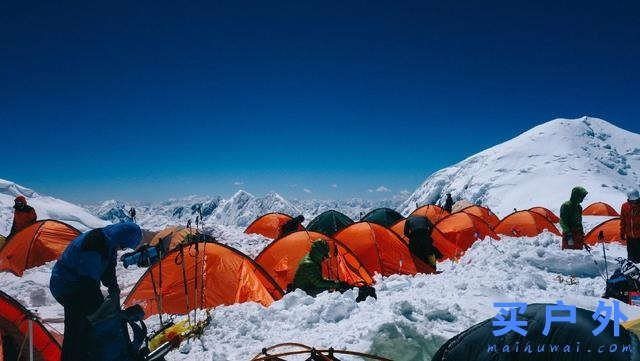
<point x="540" y="167"/>
<point x="46" y="207"/>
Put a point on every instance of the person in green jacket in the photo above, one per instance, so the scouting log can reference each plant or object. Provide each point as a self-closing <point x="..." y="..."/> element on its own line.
<point x="309" y="273"/>
<point x="571" y="220"/>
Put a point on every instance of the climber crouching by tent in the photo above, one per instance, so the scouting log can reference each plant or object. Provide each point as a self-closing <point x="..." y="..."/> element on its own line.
<point x="23" y="215"/>
<point x="308" y="275"/>
<point x="630" y="225"/>
<point x="571" y="220"/>
<point x="75" y="281"/>
<point x="418" y="229"/>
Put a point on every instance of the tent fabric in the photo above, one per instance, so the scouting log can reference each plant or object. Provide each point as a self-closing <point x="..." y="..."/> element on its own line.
<point x="600" y="209"/>
<point x="460" y="205"/>
<point x="36" y="245"/>
<point x="229" y="277"/>
<point x="281" y="258"/>
<point x="14" y="323"/>
<point x="385" y="217"/>
<point x="546" y="214"/>
<point x="170" y="237"/>
<point x="610" y="232"/>
<point x="434" y="212"/>
<point x="525" y="224"/>
<point x="329" y="222"/>
<point x="381" y="250"/>
<point x="448" y="249"/>
<point x="269" y="225"/>
<point x="483" y="212"/>
<point x="463" y="229"/>
<point x="474" y="343"/>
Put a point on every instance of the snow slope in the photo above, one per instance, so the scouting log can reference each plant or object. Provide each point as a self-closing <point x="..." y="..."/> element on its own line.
<point x="540" y="167"/>
<point x="46" y="207"/>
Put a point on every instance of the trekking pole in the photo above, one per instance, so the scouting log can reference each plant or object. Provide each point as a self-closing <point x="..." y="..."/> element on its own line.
<point x="604" y="252"/>
<point x="180" y="261"/>
<point x="588" y="249"/>
<point x="155" y="290"/>
<point x="204" y="259"/>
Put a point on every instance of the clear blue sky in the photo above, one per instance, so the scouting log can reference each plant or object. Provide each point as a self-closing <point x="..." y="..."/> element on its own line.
<point x="150" y="99"/>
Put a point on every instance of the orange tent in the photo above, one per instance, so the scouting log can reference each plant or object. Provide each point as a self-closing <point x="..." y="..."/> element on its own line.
<point x="281" y="258"/>
<point x="229" y="277"/>
<point x="525" y="224"/>
<point x="170" y="237"/>
<point x="610" y="233"/>
<point x="270" y="225"/>
<point x="448" y="249"/>
<point x="433" y="212"/>
<point x="381" y="250"/>
<point x="463" y="229"/>
<point x="36" y="245"/>
<point x="600" y="209"/>
<point x="484" y="213"/>
<point x="14" y="325"/>
<point x="546" y="214"/>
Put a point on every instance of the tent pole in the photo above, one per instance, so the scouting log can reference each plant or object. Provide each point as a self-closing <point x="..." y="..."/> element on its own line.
<point x="30" y="339"/>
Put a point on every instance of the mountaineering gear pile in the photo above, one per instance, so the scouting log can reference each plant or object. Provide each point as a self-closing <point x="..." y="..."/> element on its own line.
<point x="36" y="245"/>
<point x="329" y="223"/>
<point x="418" y="230"/>
<point x="477" y="342"/>
<point x="291" y="226"/>
<point x="630" y="226"/>
<point x="571" y="220"/>
<point x="23" y="216"/>
<point x="14" y="333"/>
<point x="308" y="276"/>
<point x="625" y="279"/>
<point x="281" y="258"/>
<point x="75" y="280"/>
<point x="448" y="203"/>
<point x="270" y="225"/>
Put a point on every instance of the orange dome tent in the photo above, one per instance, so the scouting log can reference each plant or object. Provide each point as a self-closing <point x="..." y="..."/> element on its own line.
<point x="448" y="249"/>
<point x="281" y="258"/>
<point x="525" y="224"/>
<point x="229" y="275"/>
<point x="610" y="230"/>
<point x="546" y="214"/>
<point x="433" y="212"/>
<point x="270" y="225"/>
<point x="463" y="229"/>
<point x="170" y="237"/>
<point x="484" y="213"/>
<point x="381" y="250"/>
<point x="14" y="326"/>
<point x="600" y="209"/>
<point x="36" y="245"/>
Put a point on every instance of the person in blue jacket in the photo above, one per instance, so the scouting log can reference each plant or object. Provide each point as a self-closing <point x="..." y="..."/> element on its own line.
<point x="75" y="280"/>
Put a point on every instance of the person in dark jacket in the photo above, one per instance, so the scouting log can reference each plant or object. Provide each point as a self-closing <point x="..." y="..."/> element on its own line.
<point x="292" y="225"/>
<point x="418" y="229"/>
<point x="448" y="203"/>
<point x="630" y="225"/>
<point x="75" y="281"/>
<point x="308" y="275"/>
<point x="23" y="215"/>
<point x="571" y="220"/>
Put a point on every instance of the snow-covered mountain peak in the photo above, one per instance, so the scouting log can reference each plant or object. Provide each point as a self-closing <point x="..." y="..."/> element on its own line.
<point x="540" y="167"/>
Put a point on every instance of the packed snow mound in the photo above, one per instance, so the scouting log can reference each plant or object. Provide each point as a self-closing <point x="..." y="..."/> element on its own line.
<point x="540" y="167"/>
<point x="238" y="211"/>
<point x="46" y="208"/>
<point x="411" y="318"/>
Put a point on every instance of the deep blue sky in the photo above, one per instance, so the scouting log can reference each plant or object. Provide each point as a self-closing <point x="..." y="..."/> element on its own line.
<point x="154" y="100"/>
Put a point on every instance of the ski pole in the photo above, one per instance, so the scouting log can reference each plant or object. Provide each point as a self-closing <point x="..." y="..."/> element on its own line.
<point x="155" y="290"/>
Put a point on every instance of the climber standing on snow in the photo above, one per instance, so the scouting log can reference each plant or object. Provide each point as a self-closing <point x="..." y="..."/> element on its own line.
<point x="75" y="281"/>
<point x="630" y="225"/>
<point x="571" y="220"/>
<point x="308" y="276"/>
<point x="448" y="203"/>
<point x="23" y="215"/>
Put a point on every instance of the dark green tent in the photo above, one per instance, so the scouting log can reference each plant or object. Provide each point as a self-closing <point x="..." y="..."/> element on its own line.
<point x="386" y="217"/>
<point x="565" y="341"/>
<point x="329" y="223"/>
